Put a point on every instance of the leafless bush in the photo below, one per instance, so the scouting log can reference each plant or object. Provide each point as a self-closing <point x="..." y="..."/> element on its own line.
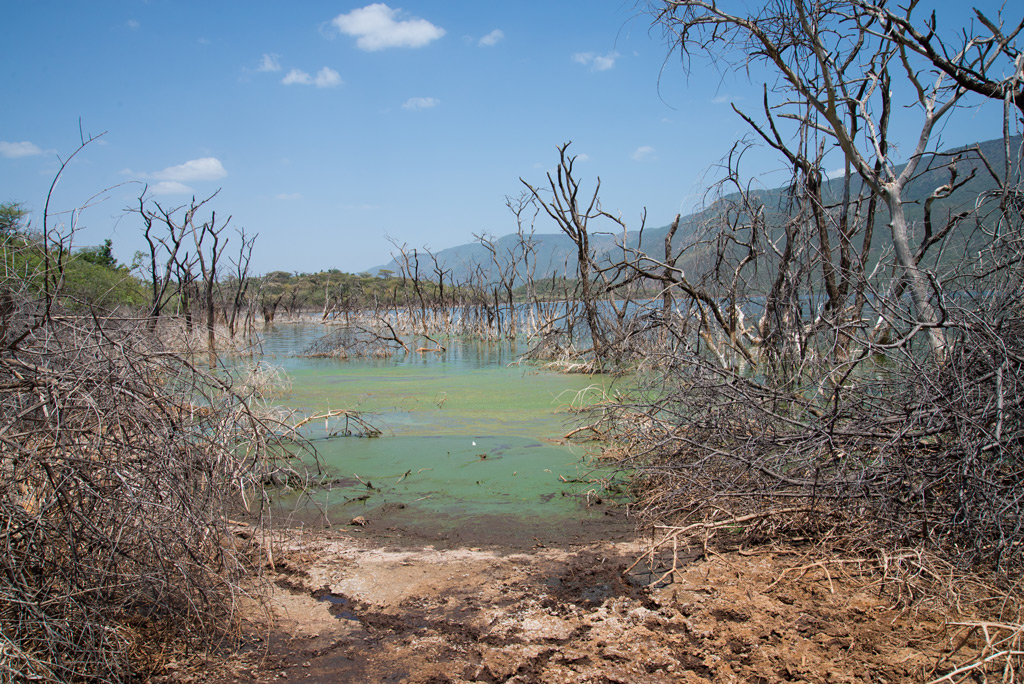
<point x="378" y="341"/>
<point x="927" y="454"/>
<point x="851" y="350"/>
<point x="994" y="652"/>
<point x="123" y="471"/>
<point x="122" y="466"/>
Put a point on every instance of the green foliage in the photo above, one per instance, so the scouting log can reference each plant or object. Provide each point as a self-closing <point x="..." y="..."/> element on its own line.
<point x="21" y="261"/>
<point x="91" y="277"/>
<point x="334" y="290"/>
<point x="101" y="256"/>
<point x="91" y="284"/>
<point x="12" y="215"/>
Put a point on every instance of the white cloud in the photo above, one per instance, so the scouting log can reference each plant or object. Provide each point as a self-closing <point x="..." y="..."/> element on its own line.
<point x="327" y="78"/>
<point x="726" y="98"/>
<point x="643" y="152"/>
<point x="583" y="157"/>
<point x="605" y="62"/>
<point x="297" y="76"/>
<point x="133" y="24"/>
<point x="835" y="173"/>
<point x="207" y="168"/>
<point x="377" y="27"/>
<point x="288" y="196"/>
<point x="170" y="188"/>
<point x="14" y="150"/>
<point x="420" y="103"/>
<point x="270" y="62"/>
<point x="492" y="38"/>
<point x="18" y="150"/>
<point x="596" y="62"/>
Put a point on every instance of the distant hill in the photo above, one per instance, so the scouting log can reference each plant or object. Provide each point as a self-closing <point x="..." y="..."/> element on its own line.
<point x="554" y="254"/>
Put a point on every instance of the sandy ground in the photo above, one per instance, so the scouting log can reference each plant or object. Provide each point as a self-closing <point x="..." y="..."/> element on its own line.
<point x="349" y="607"/>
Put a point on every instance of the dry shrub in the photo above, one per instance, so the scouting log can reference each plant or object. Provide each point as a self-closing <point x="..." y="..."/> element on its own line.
<point x="906" y="469"/>
<point x="356" y="341"/>
<point x="927" y="455"/>
<point x="121" y="466"/>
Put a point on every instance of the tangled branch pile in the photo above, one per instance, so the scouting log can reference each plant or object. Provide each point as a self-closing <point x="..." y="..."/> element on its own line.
<point x="852" y="342"/>
<point x="921" y="454"/>
<point x="121" y="465"/>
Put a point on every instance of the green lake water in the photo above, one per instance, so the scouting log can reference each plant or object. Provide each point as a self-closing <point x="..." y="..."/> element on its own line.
<point x="470" y="444"/>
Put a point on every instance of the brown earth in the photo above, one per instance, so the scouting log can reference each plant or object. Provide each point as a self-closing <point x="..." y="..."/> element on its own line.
<point x="346" y="606"/>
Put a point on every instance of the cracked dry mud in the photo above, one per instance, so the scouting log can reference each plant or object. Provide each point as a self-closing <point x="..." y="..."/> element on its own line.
<point x="349" y="609"/>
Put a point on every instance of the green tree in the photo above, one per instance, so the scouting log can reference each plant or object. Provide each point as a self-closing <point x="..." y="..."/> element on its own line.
<point x="12" y="215"/>
<point x="101" y="256"/>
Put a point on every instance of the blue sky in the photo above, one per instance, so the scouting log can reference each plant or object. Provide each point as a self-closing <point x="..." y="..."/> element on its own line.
<point x="331" y="126"/>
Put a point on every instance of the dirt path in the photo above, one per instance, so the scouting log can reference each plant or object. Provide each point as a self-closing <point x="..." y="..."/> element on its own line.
<point x="347" y="608"/>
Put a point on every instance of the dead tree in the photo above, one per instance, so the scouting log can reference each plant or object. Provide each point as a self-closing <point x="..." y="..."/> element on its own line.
<point x="440" y="272"/>
<point x="165" y="230"/>
<point x="525" y="209"/>
<point x="409" y="266"/>
<point x="504" y="266"/>
<point x="269" y="304"/>
<point x="837" y="64"/>
<point x="240" y="280"/>
<point x="186" y="291"/>
<point x="879" y="369"/>
<point x="210" y="233"/>
<point x="121" y="465"/>
<point x="562" y="202"/>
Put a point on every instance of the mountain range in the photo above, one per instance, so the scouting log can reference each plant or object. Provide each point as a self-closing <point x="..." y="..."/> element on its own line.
<point x="554" y="254"/>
